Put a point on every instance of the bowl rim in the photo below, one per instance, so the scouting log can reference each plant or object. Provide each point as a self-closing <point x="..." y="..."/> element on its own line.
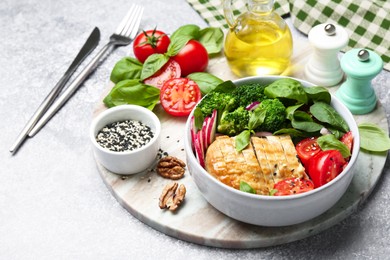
<point x="354" y="154"/>
<point x="125" y="107"/>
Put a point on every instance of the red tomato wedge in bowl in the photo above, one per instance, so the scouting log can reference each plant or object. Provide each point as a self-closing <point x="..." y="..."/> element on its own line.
<point x="325" y="166"/>
<point x="292" y="186"/>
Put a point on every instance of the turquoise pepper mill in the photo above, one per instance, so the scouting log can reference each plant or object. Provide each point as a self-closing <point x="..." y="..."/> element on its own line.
<point x="360" y="67"/>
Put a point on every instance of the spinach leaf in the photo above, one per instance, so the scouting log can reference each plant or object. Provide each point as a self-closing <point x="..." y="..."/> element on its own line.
<point x="246" y="187"/>
<point x="303" y="121"/>
<point x="242" y="140"/>
<point x="131" y="91"/>
<point x="317" y="94"/>
<point x="126" y="68"/>
<point x="327" y="114"/>
<point x="373" y="138"/>
<point x="206" y="82"/>
<point x="291" y="110"/>
<point x="330" y="142"/>
<point x="212" y="39"/>
<point x="152" y="64"/>
<point x="287" y="88"/>
<point x="290" y="131"/>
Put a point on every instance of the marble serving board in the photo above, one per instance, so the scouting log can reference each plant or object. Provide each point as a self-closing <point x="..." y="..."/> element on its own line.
<point x="197" y="221"/>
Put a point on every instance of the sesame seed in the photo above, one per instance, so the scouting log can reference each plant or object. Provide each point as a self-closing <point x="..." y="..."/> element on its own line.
<point x="124" y="136"/>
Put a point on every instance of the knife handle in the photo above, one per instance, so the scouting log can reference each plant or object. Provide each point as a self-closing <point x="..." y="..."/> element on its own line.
<point x="69" y="91"/>
<point x="43" y="107"/>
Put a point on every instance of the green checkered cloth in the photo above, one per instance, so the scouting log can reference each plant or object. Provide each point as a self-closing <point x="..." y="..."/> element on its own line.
<point x="366" y="21"/>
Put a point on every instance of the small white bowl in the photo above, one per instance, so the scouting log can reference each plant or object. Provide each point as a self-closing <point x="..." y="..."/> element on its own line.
<point x="127" y="162"/>
<point x="273" y="210"/>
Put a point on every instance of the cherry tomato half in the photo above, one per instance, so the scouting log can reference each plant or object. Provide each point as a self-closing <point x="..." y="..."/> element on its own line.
<point x="325" y="166"/>
<point x="179" y="96"/>
<point x="150" y="42"/>
<point x="347" y="139"/>
<point x="292" y="186"/>
<point x="193" y="57"/>
<point x="169" y="71"/>
<point x="306" y="149"/>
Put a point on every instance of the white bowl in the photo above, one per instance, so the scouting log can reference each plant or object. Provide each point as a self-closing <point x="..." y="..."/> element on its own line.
<point x="127" y="162"/>
<point x="273" y="210"/>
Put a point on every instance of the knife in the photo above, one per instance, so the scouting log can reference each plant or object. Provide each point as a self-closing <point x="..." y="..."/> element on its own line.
<point x="89" y="45"/>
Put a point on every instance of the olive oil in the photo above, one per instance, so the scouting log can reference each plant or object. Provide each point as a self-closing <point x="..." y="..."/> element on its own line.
<point x="259" y="42"/>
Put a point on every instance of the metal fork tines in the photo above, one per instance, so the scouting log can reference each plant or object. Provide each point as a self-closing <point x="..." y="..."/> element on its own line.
<point x="124" y="35"/>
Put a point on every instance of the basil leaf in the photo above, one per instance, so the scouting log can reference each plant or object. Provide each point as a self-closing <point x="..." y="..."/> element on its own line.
<point x="131" y="91"/>
<point x="180" y="38"/>
<point x="327" y="114"/>
<point x="373" y="138"/>
<point x="126" y="68"/>
<point x="205" y="81"/>
<point x="175" y="46"/>
<point x="286" y="88"/>
<point x="318" y="94"/>
<point x="225" y="87"/>
<point x="212" y="39"/>
<point x="242" y="140"/>
<point x="152" y="64"/>
<point x="256" y="118"/>
<point x="330" y="142"/>
<point x="198" y="118"/>
<point x="245" y="187"/>
<point x="190" y="30"/>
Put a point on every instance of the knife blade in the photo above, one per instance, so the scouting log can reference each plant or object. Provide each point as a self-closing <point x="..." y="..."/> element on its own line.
<point x="87" y="48"/>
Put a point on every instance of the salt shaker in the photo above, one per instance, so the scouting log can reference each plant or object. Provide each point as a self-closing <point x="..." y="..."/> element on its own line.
<point x="323" y="67"/>
<point x="360" y="66"/>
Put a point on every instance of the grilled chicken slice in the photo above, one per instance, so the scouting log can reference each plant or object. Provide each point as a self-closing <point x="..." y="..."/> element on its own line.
<point x="264" y="162"/>
<point x="232" y="167"/>
<point x="296" y="168"/>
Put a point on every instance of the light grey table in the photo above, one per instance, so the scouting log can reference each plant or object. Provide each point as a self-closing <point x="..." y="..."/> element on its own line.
<point x="53" y="203"/>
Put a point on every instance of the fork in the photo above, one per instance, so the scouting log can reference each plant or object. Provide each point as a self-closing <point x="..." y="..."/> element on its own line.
<point x="124" y="35"/>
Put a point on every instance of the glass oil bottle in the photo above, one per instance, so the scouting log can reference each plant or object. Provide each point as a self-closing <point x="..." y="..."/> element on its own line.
<point x="258" y="42"/>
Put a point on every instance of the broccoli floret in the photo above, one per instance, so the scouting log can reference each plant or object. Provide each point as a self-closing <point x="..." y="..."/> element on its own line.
<point x="219" y="101"/>
<point x="233" y="123"/>
<point x="275" y="116"/>
<point x="247" y="94"/>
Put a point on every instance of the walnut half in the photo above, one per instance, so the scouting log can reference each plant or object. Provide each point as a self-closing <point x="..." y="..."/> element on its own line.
<point x="172" y="196"/>
<point x="171" y="167"/>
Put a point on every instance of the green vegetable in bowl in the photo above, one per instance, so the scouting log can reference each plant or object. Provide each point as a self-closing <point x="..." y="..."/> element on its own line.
<point x="249" y="93"/>
<point x="234" y="122"/>
<point x="275" y="115"/>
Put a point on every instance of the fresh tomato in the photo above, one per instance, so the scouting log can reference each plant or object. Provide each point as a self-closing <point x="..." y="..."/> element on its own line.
<point x="179" y="96"/>
<point x="325" y="166"/>
<point x="307" y="148"/>
<point x="193" y="57"/>
<point x="169" y="71"/>
<point x="347" y="139"/>
<point x="292" y="186"/>
<point x="150" y="42"/>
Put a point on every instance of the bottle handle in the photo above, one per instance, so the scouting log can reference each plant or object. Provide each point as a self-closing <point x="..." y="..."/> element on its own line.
<point x="227" y="10"/>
